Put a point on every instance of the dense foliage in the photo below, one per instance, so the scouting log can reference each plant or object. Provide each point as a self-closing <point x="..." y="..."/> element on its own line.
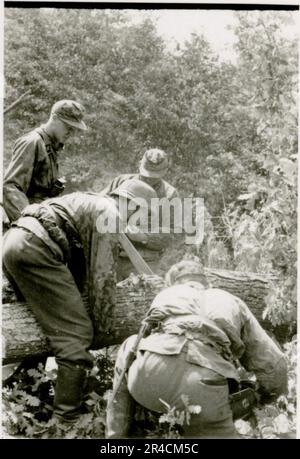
<point x="230" y="128"/>
<point x="264" y="231"/>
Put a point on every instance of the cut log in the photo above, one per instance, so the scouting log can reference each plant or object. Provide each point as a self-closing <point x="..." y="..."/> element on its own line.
<point x="23" y="337"/>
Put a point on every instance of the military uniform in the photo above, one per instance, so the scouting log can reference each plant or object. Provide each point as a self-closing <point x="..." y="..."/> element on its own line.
<point x="202" y="334"/>
<point x="56" y="252"/>
<point x="152" y="251"/>
<point x="32" y="173"/>
<point x="36" y="260"/>
<point x="37" y="257"/>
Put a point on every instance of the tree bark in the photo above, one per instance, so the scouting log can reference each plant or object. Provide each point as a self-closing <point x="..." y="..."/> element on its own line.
<point x="23" y="337"/>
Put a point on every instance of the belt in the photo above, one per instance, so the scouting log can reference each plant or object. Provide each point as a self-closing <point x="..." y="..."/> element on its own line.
<point x="35" y="227"/>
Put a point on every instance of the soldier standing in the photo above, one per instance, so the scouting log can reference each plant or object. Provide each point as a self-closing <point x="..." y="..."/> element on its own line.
<point x="33" y="174"/>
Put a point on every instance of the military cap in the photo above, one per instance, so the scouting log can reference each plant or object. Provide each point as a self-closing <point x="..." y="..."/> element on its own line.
<point x="135" y="188"/>
<point x="154" y="163"/>
<point x="70" y="112"/>
<point x="185" y="268"/>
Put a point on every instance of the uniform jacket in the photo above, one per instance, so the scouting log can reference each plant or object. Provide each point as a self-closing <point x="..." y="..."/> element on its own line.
<point x="217" y="328"/>
<point x="214" y="328"/>
<point x="31" y="173"/>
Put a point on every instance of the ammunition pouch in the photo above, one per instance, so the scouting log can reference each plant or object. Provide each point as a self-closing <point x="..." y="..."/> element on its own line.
<point x="244" y="400"/>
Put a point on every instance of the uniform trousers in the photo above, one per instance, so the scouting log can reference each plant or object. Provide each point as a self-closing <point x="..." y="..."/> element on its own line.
<point x="153" y="377"/>
<point x="50" y="290"/>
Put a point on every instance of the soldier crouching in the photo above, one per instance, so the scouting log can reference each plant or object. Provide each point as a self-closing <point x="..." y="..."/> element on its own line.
<point x="199" y="333"/>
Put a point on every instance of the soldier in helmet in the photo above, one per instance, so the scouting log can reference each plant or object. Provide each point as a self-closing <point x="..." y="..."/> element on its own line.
<point x="33" y="174"/>
<point x="152" y="169"/>
<point x="197" y="335"/>
<point x="54" y="252"/>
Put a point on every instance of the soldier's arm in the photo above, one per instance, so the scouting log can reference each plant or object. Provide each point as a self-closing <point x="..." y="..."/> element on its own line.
<point x="18" y="177"/>
<point x="159" y="236"/>
<point x="262" y="355"/>
<point x="120" y="410"/>
<point x="146" y="239"/>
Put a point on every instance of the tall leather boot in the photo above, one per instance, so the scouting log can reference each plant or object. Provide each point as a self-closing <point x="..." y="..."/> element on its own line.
<point x="69" y="388"/>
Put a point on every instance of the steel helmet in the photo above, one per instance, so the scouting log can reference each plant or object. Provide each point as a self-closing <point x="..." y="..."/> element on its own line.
<point x="186" y="268"/>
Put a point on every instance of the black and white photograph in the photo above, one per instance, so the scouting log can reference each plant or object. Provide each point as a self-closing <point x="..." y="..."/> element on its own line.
<point x="149" y="222"/>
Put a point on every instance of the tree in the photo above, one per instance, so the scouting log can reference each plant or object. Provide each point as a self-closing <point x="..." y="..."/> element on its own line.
<point x="264" y="229"/>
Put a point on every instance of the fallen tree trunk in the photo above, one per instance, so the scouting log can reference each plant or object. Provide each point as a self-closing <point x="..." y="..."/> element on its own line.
<point x="23" y="337"/>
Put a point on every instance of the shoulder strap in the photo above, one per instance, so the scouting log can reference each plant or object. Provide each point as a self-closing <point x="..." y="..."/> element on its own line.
<point x="48" y="144"/>
<point x="39" y="131"/>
